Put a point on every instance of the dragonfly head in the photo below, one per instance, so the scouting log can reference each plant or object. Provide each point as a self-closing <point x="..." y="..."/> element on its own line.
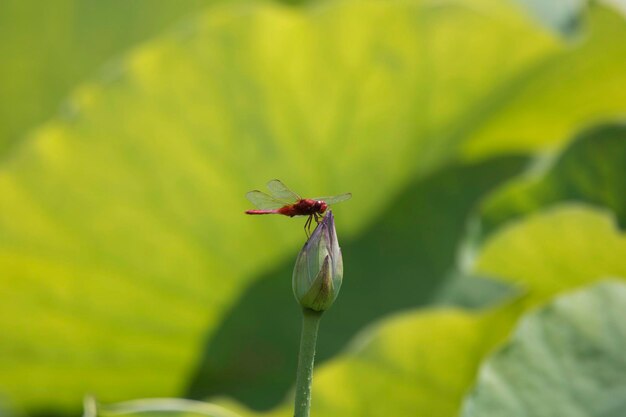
<point x="321" y="206"/>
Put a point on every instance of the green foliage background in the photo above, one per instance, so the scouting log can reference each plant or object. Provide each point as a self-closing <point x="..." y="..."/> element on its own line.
<point x="484" y="147"/>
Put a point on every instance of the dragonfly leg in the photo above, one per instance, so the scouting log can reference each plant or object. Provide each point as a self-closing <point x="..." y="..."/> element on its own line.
<point x="307" y="226"/>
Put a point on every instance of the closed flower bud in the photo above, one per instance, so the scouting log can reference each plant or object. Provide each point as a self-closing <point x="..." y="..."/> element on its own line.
<point x="318" y="272"/>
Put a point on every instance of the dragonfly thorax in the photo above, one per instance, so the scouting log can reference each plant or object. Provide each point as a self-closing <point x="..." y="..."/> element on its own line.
<point x="307" y="206"/>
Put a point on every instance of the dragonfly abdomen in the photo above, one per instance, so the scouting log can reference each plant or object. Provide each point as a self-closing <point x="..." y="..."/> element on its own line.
<point x="261" y="211"/>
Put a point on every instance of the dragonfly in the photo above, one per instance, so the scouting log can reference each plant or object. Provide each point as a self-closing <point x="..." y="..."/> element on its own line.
<point x="282" y="200"/>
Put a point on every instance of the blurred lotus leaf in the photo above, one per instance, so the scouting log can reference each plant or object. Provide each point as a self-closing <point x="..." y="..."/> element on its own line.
<point x="566" y="242"/>
<point x="589" y="170"/>
<point x="122" y="239"/>
<point x="567" y="359"/>
<point x="48" y="47"/>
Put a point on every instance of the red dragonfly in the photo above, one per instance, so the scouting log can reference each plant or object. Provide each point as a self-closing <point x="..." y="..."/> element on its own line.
<point x="284" y="201"/>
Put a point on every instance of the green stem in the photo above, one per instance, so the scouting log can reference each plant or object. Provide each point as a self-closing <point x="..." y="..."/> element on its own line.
<point x="306" y="358"/>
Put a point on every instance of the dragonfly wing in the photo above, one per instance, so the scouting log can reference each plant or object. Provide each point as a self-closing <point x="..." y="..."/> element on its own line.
<point x="281" y="192"/>
<point x="335" y="199"/>
<point x="264" y="201"/>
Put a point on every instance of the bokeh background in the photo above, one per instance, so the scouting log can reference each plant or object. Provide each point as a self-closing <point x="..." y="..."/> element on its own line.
<point x="484" y="144"/>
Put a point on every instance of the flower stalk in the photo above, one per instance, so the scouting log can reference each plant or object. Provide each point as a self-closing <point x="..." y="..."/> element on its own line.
<point x="306" y="359"/>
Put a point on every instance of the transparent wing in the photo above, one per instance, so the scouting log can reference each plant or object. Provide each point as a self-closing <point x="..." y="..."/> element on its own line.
<point x="264" y="201"/>
<point x="335" y="199"/>
<point x="281" y="192"/>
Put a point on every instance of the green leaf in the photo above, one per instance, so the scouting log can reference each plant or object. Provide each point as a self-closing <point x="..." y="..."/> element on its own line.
<point x="122" y="239"/>
<point x="564" y="247"/>
<point x="47" y="48"/>
<point x="590" y="170"/>
<point x="172" y="407"/>
<point x="557" y="98"/>
<point x="567" y="359"/>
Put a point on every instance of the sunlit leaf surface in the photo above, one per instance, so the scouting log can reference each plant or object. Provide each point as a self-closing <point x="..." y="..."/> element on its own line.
<point x="47" y="47"/>
<point x="557" y="98"/>
<point x="570" y="244"/>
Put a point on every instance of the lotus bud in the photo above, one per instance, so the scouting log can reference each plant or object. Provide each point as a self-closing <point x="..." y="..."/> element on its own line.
<point x="318" y="272"/>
